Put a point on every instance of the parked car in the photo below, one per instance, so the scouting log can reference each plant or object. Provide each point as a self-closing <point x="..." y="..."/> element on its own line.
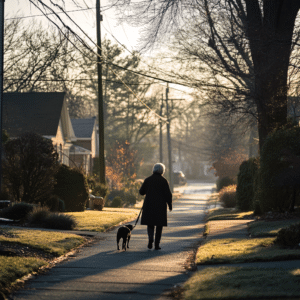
<point x="179" y="178"/>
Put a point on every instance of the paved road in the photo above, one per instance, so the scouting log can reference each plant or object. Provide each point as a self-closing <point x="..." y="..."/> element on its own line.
<point x="102" y="272"/>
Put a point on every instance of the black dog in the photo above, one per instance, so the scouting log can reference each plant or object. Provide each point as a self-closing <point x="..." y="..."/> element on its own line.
<point x="124" y="233"/>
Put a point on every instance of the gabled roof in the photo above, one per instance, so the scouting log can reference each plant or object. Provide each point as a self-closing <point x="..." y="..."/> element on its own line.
<point x="83" y="128"/>
<point x="34" y="112"/>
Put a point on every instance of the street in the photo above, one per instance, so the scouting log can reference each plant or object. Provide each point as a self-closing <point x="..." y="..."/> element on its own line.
<point x="102" y="272"/>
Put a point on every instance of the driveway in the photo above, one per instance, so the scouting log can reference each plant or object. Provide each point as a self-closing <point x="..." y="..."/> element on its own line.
<point x="101" y="272"/>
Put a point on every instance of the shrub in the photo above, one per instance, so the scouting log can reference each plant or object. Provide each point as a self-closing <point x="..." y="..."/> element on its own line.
<point x="223" y="182"/>
<point x="274" y="164"/>
<point x="227" y="196"/>
<point x="289" y="236"/>
<point x="72" y="187"/>
<point x="18" y="211"/>
<point x="38" y="215"/>
<point x="60" y="221"/>
<point x="116" y="202"/>
<point x="100" y="190"/>
<point x="126" y="197"/>
<point x="29" y="166"/>
<point x="245" y="184"/>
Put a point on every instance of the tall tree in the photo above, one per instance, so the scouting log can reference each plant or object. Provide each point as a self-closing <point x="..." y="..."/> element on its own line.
<point x="268" y="27"/>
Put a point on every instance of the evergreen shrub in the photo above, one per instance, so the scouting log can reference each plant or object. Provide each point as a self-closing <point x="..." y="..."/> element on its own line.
<point x="38" y="215"/>
<point x="18" y="211"/>
<point x="60" y="221"/>
<point x="72" y="187"/>
<point x="127" y="197"/>
<point x="223" y="182"/>
<point x="116" y="202"/>
<point x="289" y="236"/>
<point x="227" y="196"/>
<point x="245" y="184"/>
<point x="272" y="196"/>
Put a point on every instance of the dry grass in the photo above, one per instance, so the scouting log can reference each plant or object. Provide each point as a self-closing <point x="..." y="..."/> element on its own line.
<point x="269" y="228"/>
<point x="13" y="268"/>
<point x="92" y="220"/>
<point x="243" y="250"/>
<point x="242" y="283"/>
<point x="53" y="242"/>
<point x="227" y="214"/>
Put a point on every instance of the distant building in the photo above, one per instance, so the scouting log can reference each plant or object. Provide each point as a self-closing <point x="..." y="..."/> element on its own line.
<point x="47" y="115"/>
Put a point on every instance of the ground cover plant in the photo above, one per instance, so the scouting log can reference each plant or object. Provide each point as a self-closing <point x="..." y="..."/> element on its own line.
<point x="233" y="250"/>
<point x="242" y="283"/>
<point x="101" y="220"/>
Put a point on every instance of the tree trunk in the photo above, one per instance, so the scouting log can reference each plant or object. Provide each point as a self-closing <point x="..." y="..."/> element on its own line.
<point x="270" y="35"/>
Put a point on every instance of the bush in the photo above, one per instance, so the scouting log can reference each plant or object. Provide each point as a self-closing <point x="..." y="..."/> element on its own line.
<point x="18" y="211"/>
<point x="126" y="197"/>
<point x="100" y="190"/>
<point x="38" y="215"/>
<point x="227" y="196"/>
<point x="29" y="166"/>
<point x="116" y="202"/>
<point x="245" y="184"/>
<point x="60" y="221"/>
<point x="273" y="193"/>
<point x="289" y="236"/>
<point x="72" y="187"/>
<point x="223" y="182"/>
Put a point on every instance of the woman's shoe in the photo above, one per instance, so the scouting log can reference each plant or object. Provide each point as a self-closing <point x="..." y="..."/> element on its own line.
<point x="157" y="248"/>
<point x="150" y="244"/>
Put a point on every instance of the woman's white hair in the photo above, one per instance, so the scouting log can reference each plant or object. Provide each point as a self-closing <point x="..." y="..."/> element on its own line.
<point x="159" y="168"/>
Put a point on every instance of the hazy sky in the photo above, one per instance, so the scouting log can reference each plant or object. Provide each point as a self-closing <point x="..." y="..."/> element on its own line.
<point x="85" y="18"/>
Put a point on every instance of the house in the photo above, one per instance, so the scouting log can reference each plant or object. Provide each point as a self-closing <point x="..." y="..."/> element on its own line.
<point x="45" y="114"/>
<point x="87" y="137"/>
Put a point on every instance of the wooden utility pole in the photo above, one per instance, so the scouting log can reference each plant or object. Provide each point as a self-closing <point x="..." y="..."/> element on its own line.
<point x="100" y="96"/>
<point x="1" y="81"/>
<point x="169" y="141"/>
<point x="160" y="132"/>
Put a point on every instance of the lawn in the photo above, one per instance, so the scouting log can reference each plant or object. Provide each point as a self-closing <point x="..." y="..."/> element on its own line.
<point x="242" y="283"/>
<point x="221" y="251"/>
<point x="52" y="242"/>
<point x="36" y="248"/>
<point x="269" y="228"/>
<point x="93" y="220"/>
<point x="227" y="214"/>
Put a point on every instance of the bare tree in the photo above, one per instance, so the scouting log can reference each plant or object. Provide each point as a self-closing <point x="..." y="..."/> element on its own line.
<point x="262" y="32"/>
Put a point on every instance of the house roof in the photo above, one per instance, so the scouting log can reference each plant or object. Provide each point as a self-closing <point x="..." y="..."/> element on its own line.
<point x="83" y="128"/>
<point x="32" y="112"/>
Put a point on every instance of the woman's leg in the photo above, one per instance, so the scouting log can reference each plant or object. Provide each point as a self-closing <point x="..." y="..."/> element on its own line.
<point x="150" y="230"/>
<point x="158" y="232"/>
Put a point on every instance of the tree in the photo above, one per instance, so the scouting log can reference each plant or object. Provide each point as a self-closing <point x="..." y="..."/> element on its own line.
<point x="29" y="165"/>
<point x="267" y="28"/>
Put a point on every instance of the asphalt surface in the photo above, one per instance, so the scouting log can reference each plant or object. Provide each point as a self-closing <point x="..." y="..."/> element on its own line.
<point x="102" y="272"/>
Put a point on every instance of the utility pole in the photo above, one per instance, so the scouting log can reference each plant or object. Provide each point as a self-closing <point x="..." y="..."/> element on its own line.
<point x="160" y="132"/>
<point x="169" y="141"/>
<point x="100" y="96"/>
<point x="1" y="81"/>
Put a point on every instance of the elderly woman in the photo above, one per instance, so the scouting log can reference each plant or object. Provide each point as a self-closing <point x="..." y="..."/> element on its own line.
<point x="158" y="195"/>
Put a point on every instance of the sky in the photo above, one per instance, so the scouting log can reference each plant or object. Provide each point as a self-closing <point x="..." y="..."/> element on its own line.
<point x="85" y="18"/>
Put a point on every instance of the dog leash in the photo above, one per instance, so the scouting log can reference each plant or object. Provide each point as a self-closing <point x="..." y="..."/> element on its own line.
<point x="138" y="218"/>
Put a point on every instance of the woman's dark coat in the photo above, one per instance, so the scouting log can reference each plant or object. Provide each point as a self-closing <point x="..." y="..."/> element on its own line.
<point x="158" y="195"/>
